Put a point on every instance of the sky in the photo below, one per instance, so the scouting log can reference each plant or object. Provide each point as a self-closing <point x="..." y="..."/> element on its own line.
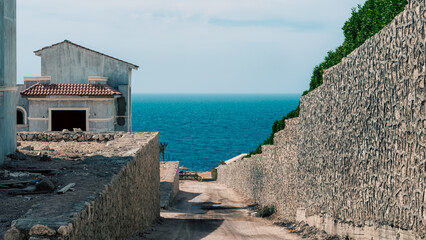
<point x="192" y="46"/>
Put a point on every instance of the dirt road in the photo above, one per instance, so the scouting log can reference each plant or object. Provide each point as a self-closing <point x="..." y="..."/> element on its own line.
<point x="207" y="210"/>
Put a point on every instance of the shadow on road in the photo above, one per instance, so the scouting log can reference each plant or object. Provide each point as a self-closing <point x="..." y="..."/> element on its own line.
<point x="211" y="211"/>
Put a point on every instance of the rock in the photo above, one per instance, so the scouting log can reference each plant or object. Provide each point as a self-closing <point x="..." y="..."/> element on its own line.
<point x="81" y="139"/>
<point x="18" y="156"/>
<point x="57" y="136"/>
<point x="18" y="144"/>
<point x="254" y="214"/>
<point x="46" y="148"/>
<point x="88" y="137"/>
<point x="65" y="130"/>
<point x="19" y="174"/>
<point x="65" y="230"/>
<point x="78" y="130"/>
<point x="45" y="185"/>
<point x="42" y="230"/>
<point x="14" y="234"/>
<point x="18" y="138"/>
<point x="28" y="148"/>
<point x="101" y="138"/>
<point x="38" y="238"/>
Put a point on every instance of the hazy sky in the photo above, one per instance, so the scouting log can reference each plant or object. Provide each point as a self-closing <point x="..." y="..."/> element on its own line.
<point x="192" y="46"/>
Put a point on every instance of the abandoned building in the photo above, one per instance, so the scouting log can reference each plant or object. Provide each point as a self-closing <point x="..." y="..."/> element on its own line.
<point x="79" y="88"/>
<point x="7" y="78"/>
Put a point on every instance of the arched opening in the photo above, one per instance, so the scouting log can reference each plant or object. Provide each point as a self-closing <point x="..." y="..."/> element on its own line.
<point x="19" y="117"/>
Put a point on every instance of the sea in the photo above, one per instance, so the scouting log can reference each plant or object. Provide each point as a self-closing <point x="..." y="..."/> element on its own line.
<point x="203" y="129"/>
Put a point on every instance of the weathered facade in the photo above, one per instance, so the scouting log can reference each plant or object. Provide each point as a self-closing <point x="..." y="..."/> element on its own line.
<point x="356" y="155"/>
<point x="7" y="77"/>
<point x="79" y="88"/>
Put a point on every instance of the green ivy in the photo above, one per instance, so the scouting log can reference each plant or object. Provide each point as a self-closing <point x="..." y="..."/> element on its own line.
<point x="364" y="23"/>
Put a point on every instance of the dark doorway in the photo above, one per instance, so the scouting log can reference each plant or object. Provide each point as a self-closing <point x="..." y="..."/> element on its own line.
<point x="68" y="119"/>
<point x="19" y="117"/>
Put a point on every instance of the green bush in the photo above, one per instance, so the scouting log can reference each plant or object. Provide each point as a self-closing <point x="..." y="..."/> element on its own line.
<point x="365" y="22"/>
<point x="214" y="173"/>
<point x="266" y="211"/>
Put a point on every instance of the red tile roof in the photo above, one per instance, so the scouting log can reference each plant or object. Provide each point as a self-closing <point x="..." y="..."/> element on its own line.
<point x="38" y="52"/>
<point x="70" y="89"/>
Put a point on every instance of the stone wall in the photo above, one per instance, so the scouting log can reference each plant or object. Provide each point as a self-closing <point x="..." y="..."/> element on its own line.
<point x="169" y="183"/>
<point x="131" y="201"/>
<point x="268" y="178"/>
<point x="359" y="161"/>
<point x="128" y="203"/>
<point x="362" y="134"/>
<point x="68" y="136"/>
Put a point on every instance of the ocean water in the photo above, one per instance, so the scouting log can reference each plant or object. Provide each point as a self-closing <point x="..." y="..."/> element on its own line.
<point x="201" y="130"/>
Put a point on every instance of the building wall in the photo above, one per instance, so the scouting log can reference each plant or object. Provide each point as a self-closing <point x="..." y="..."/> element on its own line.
<point x="7" y="78"/>
<point x="101" y="112"/>
<point x="67" y="63"/>
<point x="361" y="146"/>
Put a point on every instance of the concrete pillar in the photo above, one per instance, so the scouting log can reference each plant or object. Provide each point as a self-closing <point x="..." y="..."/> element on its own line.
<point x="8" y="89"/>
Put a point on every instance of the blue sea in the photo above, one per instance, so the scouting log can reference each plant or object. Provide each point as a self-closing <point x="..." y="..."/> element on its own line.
<point x="201" y="130"/>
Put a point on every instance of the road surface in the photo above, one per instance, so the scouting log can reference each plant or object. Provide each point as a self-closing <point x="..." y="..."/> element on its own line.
<point x="208" y="210"/>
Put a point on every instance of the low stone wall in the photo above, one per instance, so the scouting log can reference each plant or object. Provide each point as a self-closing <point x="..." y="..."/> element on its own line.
<point x="169" y="182"/>
<point x="127" y="205"/>
<point x="68" y="136"/>
<point x="268" y="178"/>
<point x="130" y="203"/>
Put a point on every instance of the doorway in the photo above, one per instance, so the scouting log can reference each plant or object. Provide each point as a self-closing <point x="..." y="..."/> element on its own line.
<point x="68" y="119"/>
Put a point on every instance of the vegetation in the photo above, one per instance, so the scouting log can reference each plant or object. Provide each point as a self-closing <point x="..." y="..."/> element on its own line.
<point x="163" y="146"/>
<point x="266" y="211"/>
<point x="214" y="173"/>
<point x="365" y="22"/>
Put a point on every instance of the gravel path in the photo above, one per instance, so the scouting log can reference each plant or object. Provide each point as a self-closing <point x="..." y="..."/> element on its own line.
<point x="208" y="210"/>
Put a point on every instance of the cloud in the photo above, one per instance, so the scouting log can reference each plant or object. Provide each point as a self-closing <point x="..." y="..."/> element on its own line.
<point x="192" y="45"/>
<point x="298" y="26"/>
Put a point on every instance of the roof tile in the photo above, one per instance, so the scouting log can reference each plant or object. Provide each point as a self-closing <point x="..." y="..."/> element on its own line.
<point x="70" y="89"/>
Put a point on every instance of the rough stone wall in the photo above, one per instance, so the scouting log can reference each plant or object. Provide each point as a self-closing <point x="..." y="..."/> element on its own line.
<point x="268" y="178"/>
<point x="131" y="201"/>
<point x="358" y="167"/>
<point x="362" y="133"/>
<point x="68" y="136"/>
<point x="169" y="183"/>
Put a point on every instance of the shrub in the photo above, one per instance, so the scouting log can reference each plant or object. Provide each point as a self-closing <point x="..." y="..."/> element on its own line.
<point x="266" y="211"/>
<point x="365" y="22"/>
<point x="214" y="173"/>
